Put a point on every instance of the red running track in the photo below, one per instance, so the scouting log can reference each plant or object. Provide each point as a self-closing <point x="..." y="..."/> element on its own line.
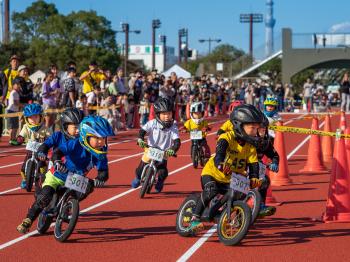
<point x="129" y="229"/>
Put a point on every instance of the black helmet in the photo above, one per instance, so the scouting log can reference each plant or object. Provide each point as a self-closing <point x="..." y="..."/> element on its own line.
<point x="246" y="114"/>
<point x="70" y="116"/>
<point x="163" y="105"/>
<point x="264" y="141"/>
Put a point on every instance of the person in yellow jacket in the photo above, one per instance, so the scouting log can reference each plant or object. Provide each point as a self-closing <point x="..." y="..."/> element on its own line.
<point x="198" y="123"/>
<point x="235" y="153"/>
<point x="92" y="78"/>
<point x="10" y="74"/>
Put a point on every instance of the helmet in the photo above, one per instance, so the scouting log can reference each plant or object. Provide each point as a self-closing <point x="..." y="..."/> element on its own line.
<point x="70" y="116"/>
<point x="94" y="126"/>
<point x="246" y="114"/>
<point x="31" y="110"/>
<point x="197" y="107"/>
<point x="163" y="105"/>
<point x="270" y="101"/>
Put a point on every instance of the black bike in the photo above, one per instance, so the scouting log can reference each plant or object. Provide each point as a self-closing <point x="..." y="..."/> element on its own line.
<point x="197" y="153"/>
<point x="233" y="216"/>
<point x="32" y="170"/>
<point x="64" y="207"/>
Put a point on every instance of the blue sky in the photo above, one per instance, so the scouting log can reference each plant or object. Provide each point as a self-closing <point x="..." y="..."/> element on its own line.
<point x="208" y="18"/>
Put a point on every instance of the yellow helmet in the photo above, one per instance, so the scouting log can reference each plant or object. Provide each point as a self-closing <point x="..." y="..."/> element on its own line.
<point x="270" y="101"/>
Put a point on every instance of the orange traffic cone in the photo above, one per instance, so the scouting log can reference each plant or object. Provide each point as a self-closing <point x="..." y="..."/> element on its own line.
<point x="342" y="124"/>
<point x="347" y="144"/>
<point x="338" y="202"/>
<point x="136" y="122"/>
<point x="327" y="142"/>
<point x="282" y="177"/>
<point x="188" y="113"/>
<point x="314" y="162"/>
<point x="152" y="114"/>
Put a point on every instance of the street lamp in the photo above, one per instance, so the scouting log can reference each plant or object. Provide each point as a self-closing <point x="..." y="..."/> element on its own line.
<point x="155" y="24"/>
<point x="163" y="41"/>
<point x="251" y="18"/>
<point x="126" y="30"/>
<point x="183" y="33"/>
<point x="209" y="40"/>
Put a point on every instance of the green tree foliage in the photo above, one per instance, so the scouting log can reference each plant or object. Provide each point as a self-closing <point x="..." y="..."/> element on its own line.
<point x="41" y="36"/>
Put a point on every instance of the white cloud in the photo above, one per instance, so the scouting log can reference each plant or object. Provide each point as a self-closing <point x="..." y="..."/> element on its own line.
<point x="340" y="28"/>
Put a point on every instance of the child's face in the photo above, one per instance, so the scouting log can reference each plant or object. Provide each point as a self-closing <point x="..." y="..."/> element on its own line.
<point x="166" y="116"/>
<point x="97" y="142"/>
<point x="197" y="115"/>
<point x="251" y="129"/>
<point x="262" y="131"/>
<point x="34" y="120"/>
<point x="73" y="130"/>
<point x="270" y="108"/>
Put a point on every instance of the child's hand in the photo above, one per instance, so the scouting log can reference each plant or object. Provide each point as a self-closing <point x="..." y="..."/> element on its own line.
<point x="170" y="152"/>
<point x="141" y="143"/>
<point x="60" y="167"/>
<point x="255" y="182"/>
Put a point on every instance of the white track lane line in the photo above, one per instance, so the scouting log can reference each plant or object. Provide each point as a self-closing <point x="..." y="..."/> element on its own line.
<point x="212" y="230"/>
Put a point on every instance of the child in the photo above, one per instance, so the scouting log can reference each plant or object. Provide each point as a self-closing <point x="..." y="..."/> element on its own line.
<point x="270" y="111"/>
<point x="144" y="108"/>
<point x="198" y="123"/>
<point x="82" y="104"/>
<point x="162" y="133"/>
<point x="81" y="155"/>
<point x="33" y="130"/>
<point x="13" y="107"/>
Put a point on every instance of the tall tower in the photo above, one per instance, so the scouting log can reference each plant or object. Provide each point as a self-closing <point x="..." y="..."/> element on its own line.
<point x="269" y="24"/>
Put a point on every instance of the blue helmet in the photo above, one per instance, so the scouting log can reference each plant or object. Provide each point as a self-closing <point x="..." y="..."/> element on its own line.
<point x="31" y="110"/>
<point x="94" y="126"/>
<point x="270" y="101"/>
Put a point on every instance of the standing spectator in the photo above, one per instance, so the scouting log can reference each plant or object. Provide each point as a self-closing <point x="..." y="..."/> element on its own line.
<point x="249" y="95"/>
<point x="92" y="99"/>
<point x="10" y="74"/>
<point x="138" y="87"/>
<point x="49" y="95"/>
<point x="119" y="82"/>
<point x="69" y="91"/>
<point x="92" y="78"/>
<point x="27" y="87"/>
<point x="279" y="91"/>
<point x="167" y="90"/>
<point x="82" y="104"/>
<point x="13" y="107"/>
<point x="144" y="110"/>
<point x="345" y="93"/>
<point x="55" y="83"/>
<point x="307" y="94"/>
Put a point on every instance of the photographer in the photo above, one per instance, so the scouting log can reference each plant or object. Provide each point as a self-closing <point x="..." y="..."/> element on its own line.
<point x="92" y="78"/>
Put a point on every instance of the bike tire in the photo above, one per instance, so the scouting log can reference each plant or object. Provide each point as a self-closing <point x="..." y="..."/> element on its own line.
<point x="146" y="182"/>
<point x="243" y="222"/>
<point x="60" y="235"/>
<point x="202" y="159"/>
<point x="44" y="222"/>
<point x="194" y="157"/>
<point x="255" y="209"/>
<point x="185" y="212"/>
<point x="29" y="173"/>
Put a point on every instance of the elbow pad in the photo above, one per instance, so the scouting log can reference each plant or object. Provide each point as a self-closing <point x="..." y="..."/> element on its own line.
<point x="177" y="144"/>
<point x="220" y="132"/>
<point x="220" y="153"/>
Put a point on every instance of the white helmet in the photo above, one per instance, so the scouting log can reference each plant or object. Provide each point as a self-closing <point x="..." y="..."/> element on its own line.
<point x="197" y="107"/>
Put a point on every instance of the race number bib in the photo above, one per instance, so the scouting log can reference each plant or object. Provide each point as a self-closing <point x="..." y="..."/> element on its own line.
<point x="240" y="183"/>
<point x="156" y="154"/>
<point x="33" y="146"/>
<point x="196" y="135"/>
<point x="262" y="170"/>
<point x="77" y="182"/>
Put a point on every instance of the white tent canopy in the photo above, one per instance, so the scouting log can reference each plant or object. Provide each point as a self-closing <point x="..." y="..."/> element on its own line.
<point x="35" y="76"/>
<point x="180" y="72"/>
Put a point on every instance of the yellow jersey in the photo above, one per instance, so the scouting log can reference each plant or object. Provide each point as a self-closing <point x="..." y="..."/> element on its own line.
<point x="10" y="77"/>
<point x="227" y="126"/>
<point x="191" y="125"/>
<point x="237" y="157"/>
<point x="87" y="85"/>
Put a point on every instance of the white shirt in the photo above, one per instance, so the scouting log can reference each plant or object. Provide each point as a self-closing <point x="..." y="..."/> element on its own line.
<point x="14" y="96"/>
<point x="91" y="97"/>
<point x="158" y="137"/>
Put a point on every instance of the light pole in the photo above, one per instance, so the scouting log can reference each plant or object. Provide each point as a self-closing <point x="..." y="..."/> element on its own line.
<point x="182" y="33"/>
<point x="251" y="18"/>
<point x="126" y="30"/>
<point x="155" y="24"/>
<point x="209" y="40"/>
<point x="163" y="41"/>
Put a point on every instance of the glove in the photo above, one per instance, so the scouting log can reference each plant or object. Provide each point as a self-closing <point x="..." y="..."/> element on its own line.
<point x="60" y="167"/>
<point x="41" y="156"/>
<point x="141" y="143"/>
<point x="255" y="182"/>
<point x="274" y="167"/>
<point x="20" y="139"/>
<point x="98" y="183"/>
<point x="170" y="152"/>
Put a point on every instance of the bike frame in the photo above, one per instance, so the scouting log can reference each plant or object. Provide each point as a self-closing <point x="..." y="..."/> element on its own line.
<point x="33" y="158"/>
<point x="151" y="165"/>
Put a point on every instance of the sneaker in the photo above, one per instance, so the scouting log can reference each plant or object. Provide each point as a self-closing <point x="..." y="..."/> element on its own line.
<point x="135" y="183"/>
<point x="24" y="226"/>
<point x="23" y="184"/>
<point x="266" y="211"/>
<point x="195" y="226"/>
<point x="159" y="186"/>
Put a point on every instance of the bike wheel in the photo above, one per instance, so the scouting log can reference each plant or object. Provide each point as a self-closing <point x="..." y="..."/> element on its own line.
<point x="44" y="222"/>
<point x="29" y="173"/>
<point x="253" y="200"/>
<point x="146" y="182"/>
<point x="202" y="159"/>
<point x="194" y="156"/>
<point x="232" y="231"/>
<point x="66" y="220"/>
<point x="184" y="215"/>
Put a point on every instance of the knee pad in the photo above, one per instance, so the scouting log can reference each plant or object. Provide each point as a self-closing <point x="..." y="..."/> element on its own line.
<point x="209" y="192"/>
<point x="45" y="196"/>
